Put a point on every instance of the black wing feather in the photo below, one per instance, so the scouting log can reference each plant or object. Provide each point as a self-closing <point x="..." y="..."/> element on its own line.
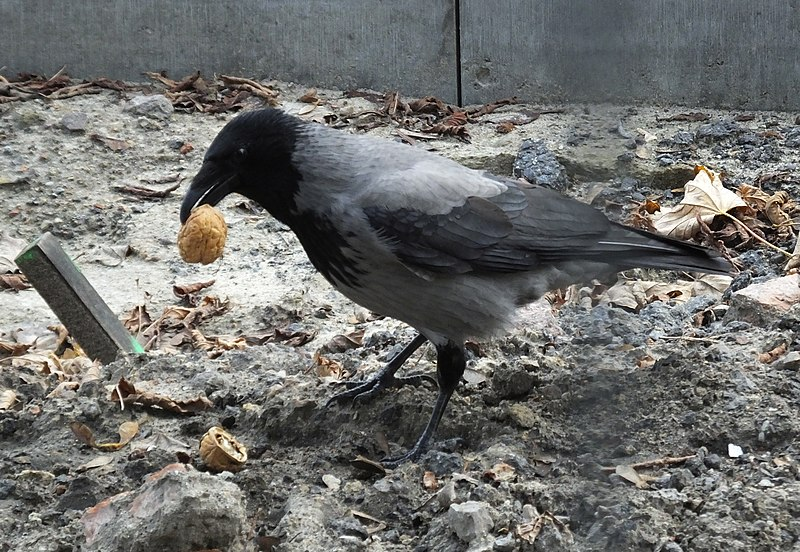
<point x="525" y="227"/>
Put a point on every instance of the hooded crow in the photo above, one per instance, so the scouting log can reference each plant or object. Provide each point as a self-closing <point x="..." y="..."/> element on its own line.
<point x="406" y="233"/>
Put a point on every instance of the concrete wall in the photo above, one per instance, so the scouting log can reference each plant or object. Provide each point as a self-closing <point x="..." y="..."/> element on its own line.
<point x="407" y="45"/>
<point x="726" y="53"/>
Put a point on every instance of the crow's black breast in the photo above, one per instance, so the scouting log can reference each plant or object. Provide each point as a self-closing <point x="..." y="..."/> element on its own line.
<point x="329" y="250"/>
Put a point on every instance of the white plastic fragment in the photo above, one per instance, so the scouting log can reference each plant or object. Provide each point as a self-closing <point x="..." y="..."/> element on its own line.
<point x="734" y="451"/>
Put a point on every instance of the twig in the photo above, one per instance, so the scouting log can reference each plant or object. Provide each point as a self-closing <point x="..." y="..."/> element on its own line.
<point x="58" y="74"/>
<point x="754" y="235"/>
<point x="657" y="463"/>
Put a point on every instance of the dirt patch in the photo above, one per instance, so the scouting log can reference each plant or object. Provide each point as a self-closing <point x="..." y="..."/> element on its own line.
<point x="530" y="446"/>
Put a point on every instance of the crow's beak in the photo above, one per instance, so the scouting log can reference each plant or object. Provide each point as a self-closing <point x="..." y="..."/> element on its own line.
<point x="209" y="186"/>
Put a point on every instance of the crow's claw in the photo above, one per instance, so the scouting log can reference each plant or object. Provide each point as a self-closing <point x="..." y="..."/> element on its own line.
<point x="363" y="390"/>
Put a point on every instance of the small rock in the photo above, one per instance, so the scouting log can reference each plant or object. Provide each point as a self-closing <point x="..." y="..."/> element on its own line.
<point x="505" y="543"/>
<point x="511" y="382"/>
<point x="765" y="302"/>
<point x="537" y="164"/>
<point x="793" y="138"/>
<point x="331" y="481"/>
<point x="33" y="485"/>
<point x="442" y="463"/>
<point x="789" y="361"/>
<point x="470" y="520"/>
<point x="522" y="415"/>
<point x="81" y="494"/>
<point x="178" y="508"/>
<point x="154" y="107"/>
<point x="74" y="121"/>
<point x="447" y="495"/>
<point x="713" y="461"/>
<point x="766" y="483"/>
<point x="680" y="479"/>
<point x="6" y="488"/>
<point x="682" y="138"/>
<point x="717" y="130"/>
<point x="672" y="546"/>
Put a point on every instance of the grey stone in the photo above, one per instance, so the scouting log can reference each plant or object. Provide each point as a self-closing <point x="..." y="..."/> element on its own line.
<point x="74" y="121"/>
<point x="537" y="164"/>
<point x="470" y="520"/>
<point x="505" y="543"/>
<point x="155" y="106"/>
<point x="177" y="509"/>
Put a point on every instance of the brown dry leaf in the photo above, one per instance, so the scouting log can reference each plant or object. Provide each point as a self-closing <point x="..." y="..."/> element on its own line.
<point x="429" y="481"/>
<point x="182" y="290"/>
<point x="83" y="433"/>
<point x="505" y="127"/>
<point x="98" y="462"/>
<point x="704" y="198"/>
<point x="7" y="399"/>
<point x="328" y="368"/>
<point x="650" y="206"/>
<point x="501" y="472"/>
<point x="14" y="282"/>
<point x="691" y="117"/>
<point x="773" y="354"/>
<point x="755" y="197"/>
<point x="12" y="348"/>
<point x="215" y="345"/>
<point x="365" y="464"/>
<point x="629" y="474"/>
<point x="774" y="209"/>
<point x="127" y="431"/>
<point x="341" y="343"/>
<point x="137" y="319"/>
<point x="428" y="104"/>
<point x="114" y="144"/>
<point x="126" y="392"/>
<point x="292" y="337"/>
<point x="645" y="362"/>
<point x="457" y="131"/>
<point x="310" y="97"/>
<point x="62" y="388"/>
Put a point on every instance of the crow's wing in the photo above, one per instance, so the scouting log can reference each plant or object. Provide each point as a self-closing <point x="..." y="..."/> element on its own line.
<point x="513" y="230"/>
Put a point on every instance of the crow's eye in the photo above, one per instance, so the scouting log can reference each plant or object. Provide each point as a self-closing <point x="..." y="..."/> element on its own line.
<point x="241" y="153"/>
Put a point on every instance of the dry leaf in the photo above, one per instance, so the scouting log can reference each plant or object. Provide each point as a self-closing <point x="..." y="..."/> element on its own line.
<point x="429" y="481"/>
<point x="328" y="368"/>
<point x="15" y="282"/>
<point x="629" y="474"/>
<point x="126" y="392"/>
<point x="7" y="399"/>
<point x="773" y="354"/>
<point x="310" y="97"/>
<point x="501" y="472"/>
<point x="704" y="198"/>
<point x="97" y="462"/>
<point x="114" y="144"/>
<point x="127" y="431"/>
<point x="10" y="247"/>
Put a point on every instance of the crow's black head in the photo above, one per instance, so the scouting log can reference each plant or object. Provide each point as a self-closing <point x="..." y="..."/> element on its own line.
<point x="250" y="156"/>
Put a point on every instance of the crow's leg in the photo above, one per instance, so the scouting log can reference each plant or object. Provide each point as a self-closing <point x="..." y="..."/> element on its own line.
<point x="450" y="364"/>
<point x="362" y="390"/>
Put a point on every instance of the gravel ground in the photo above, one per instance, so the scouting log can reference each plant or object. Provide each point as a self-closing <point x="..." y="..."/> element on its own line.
<point x="589" y="427"/>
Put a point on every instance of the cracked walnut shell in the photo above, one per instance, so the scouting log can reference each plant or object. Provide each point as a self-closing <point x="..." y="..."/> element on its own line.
<point x="220" y="451"/>
<point x="202" y="238"/>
